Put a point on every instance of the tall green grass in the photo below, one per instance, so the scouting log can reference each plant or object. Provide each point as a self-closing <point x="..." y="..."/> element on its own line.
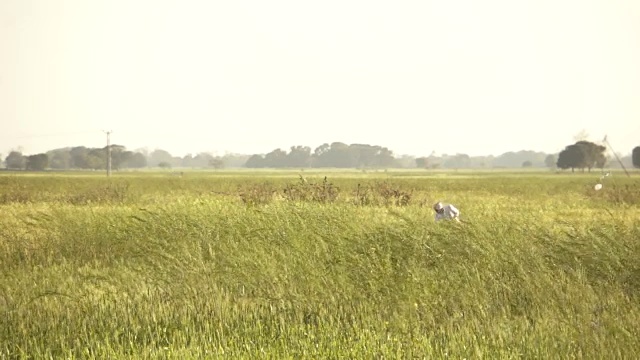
<point x="218" y="266"/>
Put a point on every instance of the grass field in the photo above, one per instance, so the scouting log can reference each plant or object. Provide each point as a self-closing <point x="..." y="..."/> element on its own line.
<point x="267" y="265"/>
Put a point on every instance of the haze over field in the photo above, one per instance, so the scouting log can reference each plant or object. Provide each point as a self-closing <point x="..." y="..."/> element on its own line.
<point x="250" y="76"/>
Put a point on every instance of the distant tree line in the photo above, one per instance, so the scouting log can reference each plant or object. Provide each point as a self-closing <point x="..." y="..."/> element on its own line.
<point x="340" y="155"/>
<point x="81" y="157"/>
<point x="337" y="155"/>
<point x="581" y="155"/>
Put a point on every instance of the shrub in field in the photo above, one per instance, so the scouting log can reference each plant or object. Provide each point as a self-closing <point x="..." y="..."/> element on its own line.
<point x="324" y="192"/>
<point x="257" y="194"/>
<point x="363" y="196"/>
<point x="393" y="195"/>
<point x="627" y="194"/>
<point x="381" y="193"/>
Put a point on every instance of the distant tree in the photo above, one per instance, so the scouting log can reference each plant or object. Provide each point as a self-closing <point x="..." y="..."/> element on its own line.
<point x="217" y="163"/>
<point x="176" y="161"/>
<point x="458" y="161"/>
<point x="235" y="160"/>
<point x="59" y="158"/>
<point x="96" y="159"/>
<point x="96" y="162"/>
<point x="405" y="162"/>
<point x="187" y="161"/>
<point x="119" y="156"/>
<point x="581" y="155"/>
<point x="635" y="157"/>
<point x="299" y="156"/>
<point x="385" y="158"/>
<point x="362" y="155"/>
<point x="320" y="158"/>
<point x="339" y="155"/>
<point x="476" y="162"/>
<point x="37" y="162"/>
<point x="144" y="151"/>
<point x="515" y="159"/>
<point x="572" y="157"/>
<point x="334" y="155"/>
<point x="434" y="161"/>
<point x="527" y="164"/>
<point x="322" y="149"/>
<point x="255" y="161"/>
<point x="164" y="165"/>
<point x="136" y="161"/>
<point x="202" y="160"/>
<point x="79" y="157"/>
<point x="594" y="154"/>
<point x="601" y="160"/>
<point x="422" y="162"/>
<point x="365" y="156"/>
<point x="276" y="159"/>
<point x="157" y="156"/>
<point x="15" y="160"/>
<point x="550" y="160"/>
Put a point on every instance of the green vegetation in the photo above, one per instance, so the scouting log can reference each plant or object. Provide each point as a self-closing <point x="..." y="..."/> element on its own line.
<point x="581" y="155"/>
<point x="272" y="265"/>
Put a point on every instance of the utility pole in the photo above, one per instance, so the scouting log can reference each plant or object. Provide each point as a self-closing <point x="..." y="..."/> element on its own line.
<point x="108" y="152"/>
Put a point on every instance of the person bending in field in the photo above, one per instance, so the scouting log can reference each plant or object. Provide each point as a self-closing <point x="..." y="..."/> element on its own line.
<point x="446" y="212"/>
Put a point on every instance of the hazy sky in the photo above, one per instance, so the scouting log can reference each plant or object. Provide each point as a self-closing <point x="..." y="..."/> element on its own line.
<point x="475" y="77"/>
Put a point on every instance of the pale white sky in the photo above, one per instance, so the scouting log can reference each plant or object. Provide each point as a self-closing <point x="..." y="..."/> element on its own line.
<point x="475" y="77"/>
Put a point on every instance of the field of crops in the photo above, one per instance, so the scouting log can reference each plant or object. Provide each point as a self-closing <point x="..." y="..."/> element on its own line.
<point x="274" y="265"/>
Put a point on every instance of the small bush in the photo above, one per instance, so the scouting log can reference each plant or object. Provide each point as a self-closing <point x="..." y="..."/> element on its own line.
<point x="628" y="194"/>
<point x="257" y="194"/>
<point x="393" y="195"/>
<point x="381" y="193"/>
<point x="364" y="196"/>
<point x="324" y="192"/>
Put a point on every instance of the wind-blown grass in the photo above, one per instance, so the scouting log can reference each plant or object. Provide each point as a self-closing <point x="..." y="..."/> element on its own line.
<point x="183" y="268"/>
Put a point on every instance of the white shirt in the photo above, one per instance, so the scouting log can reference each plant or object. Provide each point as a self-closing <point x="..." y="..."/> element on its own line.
<point x="450" y="212"/>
